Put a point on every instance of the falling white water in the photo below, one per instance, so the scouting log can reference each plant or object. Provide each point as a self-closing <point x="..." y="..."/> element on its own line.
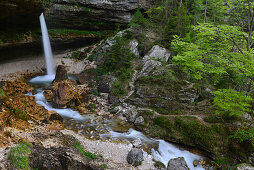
<point x="47" y="47"/>
<point x="48" y="55"/>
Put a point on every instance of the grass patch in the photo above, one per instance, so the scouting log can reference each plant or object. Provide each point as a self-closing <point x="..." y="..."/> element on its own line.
<point x="87" y="154"/>
<point x="18" y="156"/>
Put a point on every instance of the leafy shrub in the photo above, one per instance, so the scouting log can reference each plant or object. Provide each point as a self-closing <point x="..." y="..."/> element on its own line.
<point x="231" y="103"/>
<point x="244" y="134"/>
<point x="18" y="156"/>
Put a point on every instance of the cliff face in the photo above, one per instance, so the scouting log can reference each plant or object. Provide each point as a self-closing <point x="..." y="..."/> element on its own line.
<point x="18" y="14"/>
<point x="92" y="14"/>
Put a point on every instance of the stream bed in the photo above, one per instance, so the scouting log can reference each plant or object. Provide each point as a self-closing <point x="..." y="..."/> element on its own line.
<point x="102" y="127"/>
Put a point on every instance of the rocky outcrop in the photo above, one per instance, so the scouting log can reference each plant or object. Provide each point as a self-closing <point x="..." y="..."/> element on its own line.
<point x="61" y="74"/>
<point x="177" y="163"/>
<point x="58" y="158"/>
<point x="244" y="167"/>
<point x="154" y="58"/>
<point x="135" y="157"/>
<point x="93" y="15"/>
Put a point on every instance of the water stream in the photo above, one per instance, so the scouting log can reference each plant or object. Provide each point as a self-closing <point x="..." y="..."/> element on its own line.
<point x="102" y="127"/>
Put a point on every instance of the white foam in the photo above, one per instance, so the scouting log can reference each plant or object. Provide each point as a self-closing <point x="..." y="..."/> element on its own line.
<point x="43" y="79"/>
<point x="69" y="113"/>
<point x="165" y="152"/>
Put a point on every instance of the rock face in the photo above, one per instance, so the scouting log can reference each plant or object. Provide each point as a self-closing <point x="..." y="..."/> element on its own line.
<point x="61" y="74"/>
<point x="244" y="167"/>
<point x="153" y="59"/>
<point x="135" y="157"/>
<point x="177" y="163"/>
<point x="93" y="14"/>
<point x="58" y="158"/>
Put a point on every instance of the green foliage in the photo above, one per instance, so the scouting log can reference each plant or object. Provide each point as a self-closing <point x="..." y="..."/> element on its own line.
<point x="118" y="88"/>
<point x="2" y="93"/>
<point x="105" y="166"/>
<point x="88" y="155"/>
<point x="230" y="103"/>
<point x="18" y="156"/>
<point x="137" y="163"/>
<point x="91" y="107"/>
<point x="217" y="53"/>
<point x="138" y="19"/>
<point x="244" y="134"/>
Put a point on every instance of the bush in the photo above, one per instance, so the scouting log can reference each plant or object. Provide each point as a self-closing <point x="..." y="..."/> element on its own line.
<point x="138" y="19"/>
<point x="18" y="156"/>
<point x="244" y="134"/>
<point x="231" y="103"/>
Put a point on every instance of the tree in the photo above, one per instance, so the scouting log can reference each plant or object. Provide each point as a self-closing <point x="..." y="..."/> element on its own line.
<point x="242" y="15"/>
<point x="217" y="53"/>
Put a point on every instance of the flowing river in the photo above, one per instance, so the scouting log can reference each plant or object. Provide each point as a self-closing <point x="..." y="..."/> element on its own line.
<point x="103" y="128"/>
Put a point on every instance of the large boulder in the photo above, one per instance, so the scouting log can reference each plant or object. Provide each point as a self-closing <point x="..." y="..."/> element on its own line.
<point x="154" y="58"/>
<point x="58" y="158"/>
<point x="135" y="157"/>
<point x="61" y="74"/>
<point x="177" y="163"/>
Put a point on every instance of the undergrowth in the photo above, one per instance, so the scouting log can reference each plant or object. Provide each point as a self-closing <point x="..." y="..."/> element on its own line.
<point x="18" y="156"/>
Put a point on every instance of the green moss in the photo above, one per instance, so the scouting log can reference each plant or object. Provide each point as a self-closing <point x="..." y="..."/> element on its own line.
<point x="209" y="136"/>
<point x="88" y="155"/>
<point x="18" y="156"/>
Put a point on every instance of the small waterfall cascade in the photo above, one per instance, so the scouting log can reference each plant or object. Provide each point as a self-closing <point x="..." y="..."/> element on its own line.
<point x="47" y="47"/>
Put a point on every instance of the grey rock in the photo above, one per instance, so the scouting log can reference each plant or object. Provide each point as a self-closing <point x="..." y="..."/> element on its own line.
<point x="105" y="83"/>
<point x="153" y="59"/>
<point x="244" y="166"/>
<point x="139" y="120"/>
<point x="134" y="47"/>
<point x="93" y="14"/>
<point x="177" y="163"/>
<point x="57" y="158"/>
<point x="157" y="53"/>
<point x="247" y="117"/>
<point x="135" y="156"/>
<point x="137" y="143"/>
<point x="130" y="114"/>
<point x="148" y="67"/>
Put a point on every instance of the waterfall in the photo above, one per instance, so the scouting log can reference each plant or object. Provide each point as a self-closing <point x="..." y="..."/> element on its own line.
<point x="48" y="56"/>
<point x="46" y="46"/>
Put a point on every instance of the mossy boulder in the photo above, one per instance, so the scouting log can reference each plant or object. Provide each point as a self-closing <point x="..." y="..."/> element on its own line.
<point x="164" y="94"/>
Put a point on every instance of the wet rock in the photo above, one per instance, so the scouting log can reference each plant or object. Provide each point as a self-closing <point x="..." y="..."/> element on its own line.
<point x="177" y="163"/>
<point x="137" y="143"/>
<point x="61" y="74"/>
<point x="135" y="157"/>
<point x="244" y="166"/>
<point x="64" y="93"/>
<point x="195" y="163"/>
<point x="247" y="117"/>
<point x="57" y="158"/>
<point x="139" y="120"/>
